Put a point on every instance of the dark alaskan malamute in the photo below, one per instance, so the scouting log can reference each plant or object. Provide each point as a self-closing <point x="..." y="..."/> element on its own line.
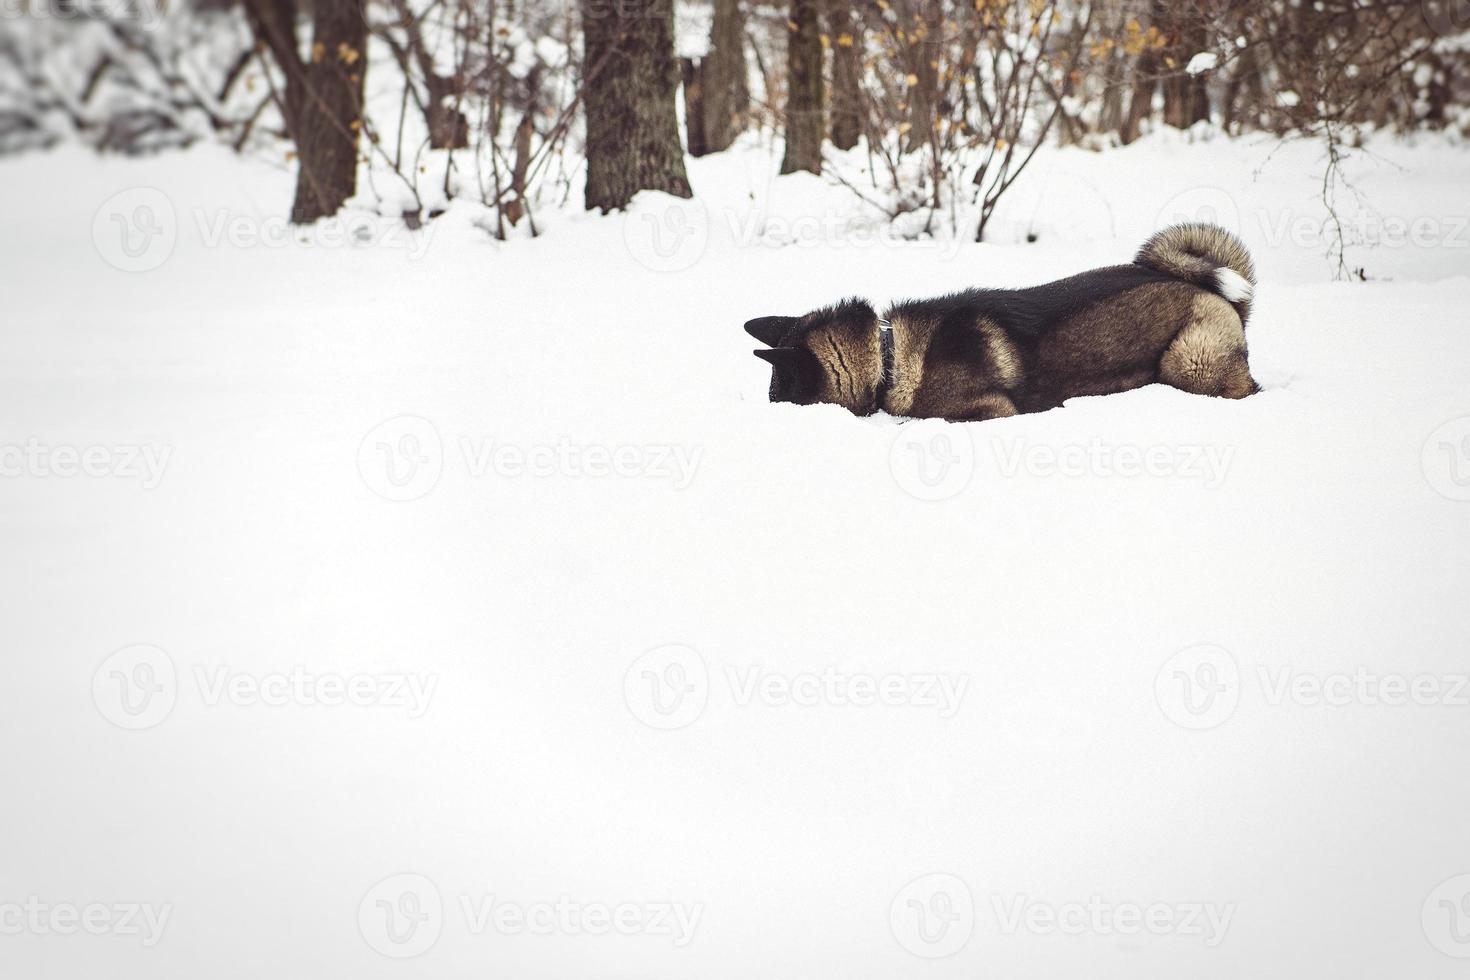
<point x="1176" y="315"/>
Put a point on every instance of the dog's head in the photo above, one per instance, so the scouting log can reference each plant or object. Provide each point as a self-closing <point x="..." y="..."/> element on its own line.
<point x="830" y="356"/>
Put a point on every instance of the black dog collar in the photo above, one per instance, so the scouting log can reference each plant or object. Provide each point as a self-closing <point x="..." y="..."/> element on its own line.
<point x="885" y="348"/>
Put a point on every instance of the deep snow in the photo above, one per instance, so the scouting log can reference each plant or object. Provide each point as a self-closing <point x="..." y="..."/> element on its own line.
<point x="1092" y="655"/>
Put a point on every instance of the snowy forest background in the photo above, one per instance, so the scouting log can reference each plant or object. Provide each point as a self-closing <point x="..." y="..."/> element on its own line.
<point x="405" y="106"/>
<point x="403" y="550"/>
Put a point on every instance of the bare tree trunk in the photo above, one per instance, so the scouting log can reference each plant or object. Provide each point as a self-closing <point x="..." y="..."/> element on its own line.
<point x="697" y="138"/>
<point x="804" y="127"/>
<point x="847" y="71"/>
<point x="525" y="130"/>
<point x="629" y="87"/>
<point x="1110" y="116"/>
<point x="1186" y="97"/>
<point x="331" y="110"/>
<point x="515" y="207"/>
<point x="1439" y="95"/>
<point x="1141" y="103"/>
<point x="923" y="31"/>
<point x="722" y="76"/>
<point x="1245" y="84"/>
<point x="273" y="23"/>
<point x="448" y="127"/>
<point x="1196" y="87"/>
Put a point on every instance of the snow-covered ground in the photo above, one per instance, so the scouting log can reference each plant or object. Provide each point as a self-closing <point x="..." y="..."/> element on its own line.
<point x="420" y="606"/>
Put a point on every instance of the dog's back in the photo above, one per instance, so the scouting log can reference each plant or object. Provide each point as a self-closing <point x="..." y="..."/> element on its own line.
<point x="1176" y="315"/>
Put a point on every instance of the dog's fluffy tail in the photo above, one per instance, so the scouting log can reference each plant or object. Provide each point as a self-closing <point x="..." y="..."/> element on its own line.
<point x="1206" y="255"/>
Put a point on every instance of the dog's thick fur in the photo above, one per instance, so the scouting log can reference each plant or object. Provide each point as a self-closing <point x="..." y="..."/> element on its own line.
<point x="1175" y="315"/>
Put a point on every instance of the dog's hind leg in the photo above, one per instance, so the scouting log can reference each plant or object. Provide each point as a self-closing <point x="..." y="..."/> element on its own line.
<point x="991" y="405"/>
<point x="1208" y="356"/>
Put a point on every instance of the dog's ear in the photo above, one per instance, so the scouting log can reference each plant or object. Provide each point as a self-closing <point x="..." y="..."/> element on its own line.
<point x="795" y="360"/>
<point x="798" y="373"/>
<point x="771" y="330"/>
